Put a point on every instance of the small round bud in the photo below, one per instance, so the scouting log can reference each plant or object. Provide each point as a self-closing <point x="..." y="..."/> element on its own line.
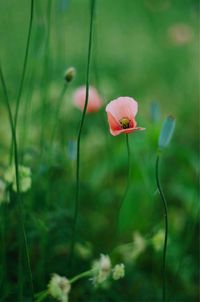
<point x="70" y="74"/>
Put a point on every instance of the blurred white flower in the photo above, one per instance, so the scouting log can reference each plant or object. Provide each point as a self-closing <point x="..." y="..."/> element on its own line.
<point x="158" y="240"/>
<point x="24" y="178"/>
<point x="102" y="269"/>
<point x="118" y="271"/>
<point x="84" y="251"/>
<point x="105" y="263"/>
<point x="139" y="244"/>
<point x="131" y="251"/>
<point x="59" y="287"/>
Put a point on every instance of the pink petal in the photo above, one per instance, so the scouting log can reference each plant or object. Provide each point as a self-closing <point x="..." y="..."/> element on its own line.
<point x="94" y="100"/>
<point x="113" y="123"/>
<point x="123" y="107"/>
<point x="128" y="130"/>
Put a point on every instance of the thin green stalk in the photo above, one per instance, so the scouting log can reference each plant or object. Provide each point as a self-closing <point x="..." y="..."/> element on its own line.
<point x="126" y="189"/>
<point x="23" y="74"/>
<point x="166" y="228"/>
<point x="26" y="117"/>
<point x="128" y="173"/>
<point x="20" y="275"/>
<point x="3" y="247"/>
<point x="19" y="201"/>
<point x="57" y="111"/>
<point x="79" y="135"/>
<point x="45" y="76"/>
<point x="24" y="64"/>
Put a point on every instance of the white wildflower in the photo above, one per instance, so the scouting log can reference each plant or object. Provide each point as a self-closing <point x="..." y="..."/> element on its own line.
<point x="59" y="287"/>
<point x="139" y="244"/>
<point x="118" y="271"/>
<point x="102" y="269"/>
<point x="24" y="178"/>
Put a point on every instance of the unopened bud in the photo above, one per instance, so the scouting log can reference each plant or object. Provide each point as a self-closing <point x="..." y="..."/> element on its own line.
<point x="166" y="131"/>
<point x="70" y="74"/>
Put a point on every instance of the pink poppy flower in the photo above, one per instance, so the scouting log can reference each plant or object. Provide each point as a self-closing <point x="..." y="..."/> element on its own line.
<point x="121" y="115"/>
<point x="94" y="99"/>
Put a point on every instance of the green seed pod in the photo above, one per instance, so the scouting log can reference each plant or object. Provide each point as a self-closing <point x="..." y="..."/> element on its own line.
<point x="166" y="132"/>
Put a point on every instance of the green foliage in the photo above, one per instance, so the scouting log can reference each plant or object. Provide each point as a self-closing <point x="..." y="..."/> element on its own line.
<point x="144" y="49"/>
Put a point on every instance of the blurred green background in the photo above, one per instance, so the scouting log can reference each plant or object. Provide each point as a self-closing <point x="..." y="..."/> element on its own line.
<point x="147" y="49"/>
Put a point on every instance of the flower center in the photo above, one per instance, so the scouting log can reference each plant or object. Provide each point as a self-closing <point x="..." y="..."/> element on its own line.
<point x="124" y="122"/>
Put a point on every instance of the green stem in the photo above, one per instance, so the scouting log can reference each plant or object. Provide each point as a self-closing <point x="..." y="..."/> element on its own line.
<point x="20" y="270"/>
<point x="45" y="77"/>
<point x="25" y="64"/>
<point x="23" y="74"/>
<point x="128" y="173"/>
<point x="19" y="201"/>
<point x="79" y="135"/>
<point x="3" y="248"/>
<point x="57" y="111"/>
<point x="26" y="117"/>
<point x="166" y="228"/>
<point x="81" y="275"/>
<point x="126" y="189"/>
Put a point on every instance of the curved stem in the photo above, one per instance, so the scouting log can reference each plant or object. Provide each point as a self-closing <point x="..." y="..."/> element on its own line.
<point x="79" y="136"/>
<point x="46" y="77"/>
<point x="128" y="173"/>
<point x="166" y="228"/>
<point x="126" y="188"/>
<point x="25" y="64"/>
<point x="57" y="111"/>
<point x="19" y="201"/>
<point x="23" y="74"/>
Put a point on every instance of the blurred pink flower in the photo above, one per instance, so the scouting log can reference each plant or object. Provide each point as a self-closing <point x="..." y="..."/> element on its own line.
<point x="180" y="33"/>
<point x="121" y="115"/>
<point x="94" y="99"/>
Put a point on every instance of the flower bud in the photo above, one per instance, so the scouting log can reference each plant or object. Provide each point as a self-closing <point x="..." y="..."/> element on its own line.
<point x="166" y="131"/>
<point x="70" y="74"/>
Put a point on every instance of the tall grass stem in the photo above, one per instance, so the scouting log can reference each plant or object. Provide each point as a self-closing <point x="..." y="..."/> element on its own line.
<point x="116" y="226"/>
<point x="23" y="74"/>
<point x="166" y="228"/>
<point x="46" y="76"/>
<point x="24" y="64"/>
<point x="76" y="209"/>
<point x="16" y="163"/>
<point x="57" y="111"/>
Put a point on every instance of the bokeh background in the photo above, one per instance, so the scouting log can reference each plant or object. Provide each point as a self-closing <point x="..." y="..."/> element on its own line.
<point x="147" y="49"/>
